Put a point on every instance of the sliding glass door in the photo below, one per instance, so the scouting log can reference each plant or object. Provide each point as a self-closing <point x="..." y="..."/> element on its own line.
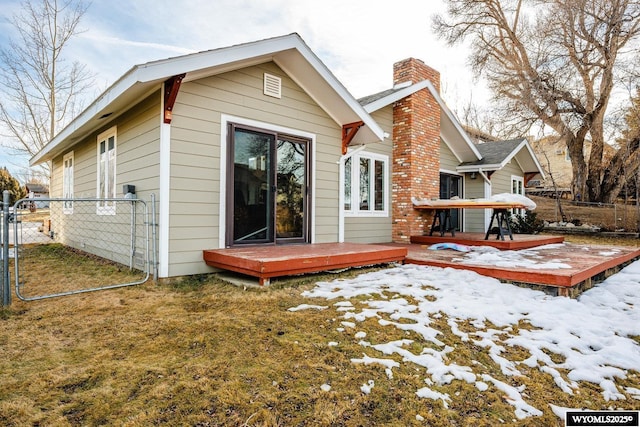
<point x="267" y="187"/>
<point x="450" y="187"/>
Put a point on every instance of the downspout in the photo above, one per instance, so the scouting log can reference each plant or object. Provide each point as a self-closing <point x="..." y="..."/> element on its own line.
<point x="484" y="176"/>
<point x="340" y="162"/>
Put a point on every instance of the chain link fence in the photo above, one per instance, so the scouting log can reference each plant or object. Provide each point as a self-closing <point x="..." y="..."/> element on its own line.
<point x="68" y="246"/>
<point x="604" y="216"/>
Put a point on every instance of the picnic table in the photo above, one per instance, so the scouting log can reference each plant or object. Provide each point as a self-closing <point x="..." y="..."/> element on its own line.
<point x="442" y="215"/>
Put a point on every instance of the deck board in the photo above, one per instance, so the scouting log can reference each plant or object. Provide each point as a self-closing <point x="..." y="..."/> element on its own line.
<point x="266" y="262"/>
<point x="586" y="262"/>
<point x="520" y="241"/>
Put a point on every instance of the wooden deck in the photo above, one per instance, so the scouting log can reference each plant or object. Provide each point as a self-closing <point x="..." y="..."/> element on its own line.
<point x="520" y="241"/>
<point x="266" y="262"/>
<point x="585" y="265"/>
<point x="588" y="265"/>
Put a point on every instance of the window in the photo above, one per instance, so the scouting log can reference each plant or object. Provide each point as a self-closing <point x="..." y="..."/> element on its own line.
<point x="517" y="187"/>
<point x="106" y="172"/>
<point x="67" y="183"/>
<point x="365" y="184"/>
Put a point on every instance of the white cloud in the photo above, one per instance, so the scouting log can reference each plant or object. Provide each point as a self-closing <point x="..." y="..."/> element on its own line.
<point x="358" y="40"/>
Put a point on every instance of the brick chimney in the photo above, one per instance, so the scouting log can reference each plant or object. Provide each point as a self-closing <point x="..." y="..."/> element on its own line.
<point x="416" y="150"/>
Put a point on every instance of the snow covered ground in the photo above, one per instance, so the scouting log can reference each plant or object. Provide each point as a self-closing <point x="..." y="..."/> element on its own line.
<point x="592" y="333"/>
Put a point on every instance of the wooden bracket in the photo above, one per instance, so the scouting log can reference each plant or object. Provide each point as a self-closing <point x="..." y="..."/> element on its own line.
<point x="348" y="132"/>
<point x="528" y="176"/>
<point x="171" y="88"/>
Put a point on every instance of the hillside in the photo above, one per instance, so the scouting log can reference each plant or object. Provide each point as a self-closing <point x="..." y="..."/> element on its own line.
<point x="608" y="217"/>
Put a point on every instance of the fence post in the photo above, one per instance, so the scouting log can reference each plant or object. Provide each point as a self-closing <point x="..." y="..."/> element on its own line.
<point x="6" y="278"/>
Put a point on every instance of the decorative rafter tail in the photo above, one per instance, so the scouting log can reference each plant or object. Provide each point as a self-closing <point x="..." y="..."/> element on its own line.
<point x="171" y="88"/>
<point x="528" y="176"/>
<point x="348" y="133"/>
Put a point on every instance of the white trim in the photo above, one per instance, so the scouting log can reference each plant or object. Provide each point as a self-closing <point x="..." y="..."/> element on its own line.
<point x="487" y="194"/>
<point x="481" y="167"/>
<point x="289" y="52"/>
<point x="525" y="144"/>
<point x="104" y="137"/>
<point x="512" y="155"/>
<point x="350" y="152"/>
<point x="222" y="214"/>
<point x="225" y="119"/>
<point x="341" y="197"/>
<point x="408" y="90"/>
<point x="450" y="172"/>
<point x="164" y="190"/>
<point x="403" y="90"/>
<point x="67" y="207"/>
<point x="519" y="179"/>
<point x="355" y="190"/>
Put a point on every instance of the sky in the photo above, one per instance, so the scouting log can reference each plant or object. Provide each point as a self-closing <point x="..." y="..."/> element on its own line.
<point x="358" y="40"/>
<point x="578" y="342"/>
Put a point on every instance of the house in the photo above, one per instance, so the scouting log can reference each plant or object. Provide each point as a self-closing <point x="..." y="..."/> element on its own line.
<point x="260" y="144"/>
<point x="556" y="162"/>
<point x="37" y="191"/>
<point x="463" y="168"/>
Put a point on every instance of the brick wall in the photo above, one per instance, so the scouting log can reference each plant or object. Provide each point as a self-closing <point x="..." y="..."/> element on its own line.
<point x="416" y="158"/>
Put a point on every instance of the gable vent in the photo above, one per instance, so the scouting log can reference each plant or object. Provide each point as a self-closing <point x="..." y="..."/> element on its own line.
<point x="272" y="85"/>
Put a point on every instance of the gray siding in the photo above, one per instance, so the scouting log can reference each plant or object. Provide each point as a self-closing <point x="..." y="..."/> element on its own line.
<point x="501" y="180"/>
<point x="448" y="161"/>
<point x="137" y="160"/>
<point x="376" y="229"/>
<point x="137" y="154"/>
<point x="474" y="218"/>
<point x="196" y="150"/>
<point x="500" y="183"/>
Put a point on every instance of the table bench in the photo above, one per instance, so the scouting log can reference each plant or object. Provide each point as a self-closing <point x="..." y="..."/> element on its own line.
<point x="442" y="214"/>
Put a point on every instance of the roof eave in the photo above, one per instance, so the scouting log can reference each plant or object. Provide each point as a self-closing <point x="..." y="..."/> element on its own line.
<point x="94" y="110"/>
<point x="413" y="88"/>
<point x="306" y="69"/>
<point x="454" y="120"/>
<point x="329" y="100"/>
<point x="478" y="168"/>
<point x="534" y="159"/>
<point x="403" y="92"/>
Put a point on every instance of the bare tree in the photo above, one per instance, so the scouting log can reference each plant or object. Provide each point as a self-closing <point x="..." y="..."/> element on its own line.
<point x="555" y="64"/>
<point x="40" y="89"/>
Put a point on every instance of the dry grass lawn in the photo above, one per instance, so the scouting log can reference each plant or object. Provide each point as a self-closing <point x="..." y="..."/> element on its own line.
<point x="206" y="353"/>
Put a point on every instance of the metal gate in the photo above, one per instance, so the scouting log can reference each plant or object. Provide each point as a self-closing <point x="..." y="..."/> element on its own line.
<point x="5" y="281"/>
<point x="62" y="247"/>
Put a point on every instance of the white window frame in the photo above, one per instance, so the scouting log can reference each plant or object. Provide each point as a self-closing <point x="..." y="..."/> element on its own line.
<point x="519" y="180"/>
<point x="225" y="120"/>
<point x="356" y="210"/>
<point x="106" y="207"/>
<point x="67" y="182"/>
